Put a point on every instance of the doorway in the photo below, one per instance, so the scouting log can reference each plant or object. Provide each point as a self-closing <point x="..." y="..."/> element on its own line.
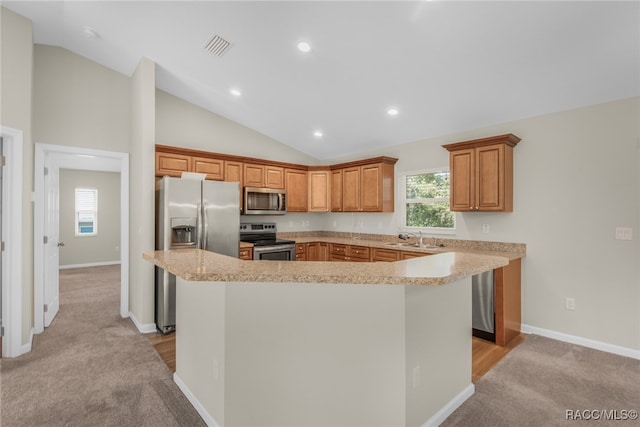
<point x="49" y="159"/>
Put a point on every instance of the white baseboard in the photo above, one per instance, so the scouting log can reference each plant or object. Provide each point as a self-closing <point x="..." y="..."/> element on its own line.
<point x="26" y="348"/>
<point x="91" y="264"/>
<point x="585" y="342"/>
<point x="444" y="412"/>
<point x="195" y="402"/>
<point x="144" y="328"/>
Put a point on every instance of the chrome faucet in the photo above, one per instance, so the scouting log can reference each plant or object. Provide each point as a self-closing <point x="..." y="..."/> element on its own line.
<point x="405" y="236"/>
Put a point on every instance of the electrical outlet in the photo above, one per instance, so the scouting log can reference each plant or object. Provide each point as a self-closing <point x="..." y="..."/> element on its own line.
<point x="624" y="233"/>
<point x="485" y="228"/>
<point x="570" y="304"/>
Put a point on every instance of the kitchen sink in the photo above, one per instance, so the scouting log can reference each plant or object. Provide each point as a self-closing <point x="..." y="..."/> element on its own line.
<point x="402" y="244"/>
<point x="411" y="245"/>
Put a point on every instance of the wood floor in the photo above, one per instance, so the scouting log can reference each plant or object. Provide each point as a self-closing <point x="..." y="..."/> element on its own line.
<point x="484" y="356"/>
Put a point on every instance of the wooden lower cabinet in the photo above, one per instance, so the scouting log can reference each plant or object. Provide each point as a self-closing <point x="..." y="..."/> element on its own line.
<point x="340" y="252"/>
<point x="409" y="254"/>
<point x="386" y="255"/>
<point x="245" y="253"/>
<point x="507" y="301"/>
<point x="301" y="251"/>
<point x="318" y="251"/>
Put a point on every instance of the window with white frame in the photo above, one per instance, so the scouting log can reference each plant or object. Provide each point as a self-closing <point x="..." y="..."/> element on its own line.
<point x="86" y="212"/>
<point x="425" y="200"/>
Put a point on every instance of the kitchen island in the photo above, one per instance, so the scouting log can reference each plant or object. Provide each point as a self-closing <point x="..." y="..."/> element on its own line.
<point x="273" y="343"/>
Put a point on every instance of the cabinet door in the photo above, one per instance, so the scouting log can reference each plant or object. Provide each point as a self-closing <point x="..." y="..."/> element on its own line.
<point x="319" y="191"/>
<point x="253" y="175"/>
<point x="351" y="192"/>
<point x="233" y="173"/>
<point x="318" y="251"/>
<point x="490" y="178"/>
<point x="296" y="186"/>
<point x="386" y="255"/>
<point x="462" y="197"/>
<point x="214" y="168"/>
<point x="371" y="188"/>
<point x="172" y="164"/>
<point x="336" y="190"/>
<point x="274" y="177"/>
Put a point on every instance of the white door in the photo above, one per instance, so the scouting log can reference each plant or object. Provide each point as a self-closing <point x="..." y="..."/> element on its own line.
<point x="51" y="243"/>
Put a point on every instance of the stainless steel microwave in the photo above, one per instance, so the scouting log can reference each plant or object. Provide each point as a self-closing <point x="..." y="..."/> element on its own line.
<point x="264" y="201"/>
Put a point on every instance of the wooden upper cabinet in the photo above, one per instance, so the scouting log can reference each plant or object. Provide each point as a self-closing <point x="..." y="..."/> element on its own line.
<point x="233" y="171"/>
<point x="336" y="190"/>
<point x="296" y="186"/>
<point x="172" y="164"/>
<point x="274" y="177"/>
<point x="319" y="190"/>
<point x="253" y="175"/>
<point x="481" y="173"/>
<point x="214" y="168"/>
<point x="256" y="175"/>
<point x="351" y="195"/>
<point x="368" y="186"/>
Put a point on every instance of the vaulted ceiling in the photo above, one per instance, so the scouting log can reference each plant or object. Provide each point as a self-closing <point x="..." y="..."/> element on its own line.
<point x="446" y="66"/>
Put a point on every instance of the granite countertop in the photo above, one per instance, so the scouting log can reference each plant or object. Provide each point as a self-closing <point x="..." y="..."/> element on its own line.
<point x="438" y="269"/>
<point x="507" y="250"/>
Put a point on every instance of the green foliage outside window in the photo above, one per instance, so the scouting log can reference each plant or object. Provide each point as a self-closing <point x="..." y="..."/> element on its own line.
<point x="427" y="200"/>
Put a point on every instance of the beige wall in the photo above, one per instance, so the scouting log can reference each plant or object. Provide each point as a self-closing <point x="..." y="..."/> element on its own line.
<point x="15" y="112"/>
<point x="105" y="246"/>
<point x="181" y="124"/>
<point x="142" y="194"/>
<point x="79" y="103"/>
<point x="576" y="178"/>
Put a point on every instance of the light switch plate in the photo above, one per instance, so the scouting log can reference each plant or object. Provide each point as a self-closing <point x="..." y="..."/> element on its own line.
<point x="624" y="233"/>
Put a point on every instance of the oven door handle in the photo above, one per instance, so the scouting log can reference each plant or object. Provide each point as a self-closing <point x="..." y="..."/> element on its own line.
<point x="274" y="248"/>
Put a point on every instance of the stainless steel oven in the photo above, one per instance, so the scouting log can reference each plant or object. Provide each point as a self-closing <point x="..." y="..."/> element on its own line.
<point x="266" y="246"/>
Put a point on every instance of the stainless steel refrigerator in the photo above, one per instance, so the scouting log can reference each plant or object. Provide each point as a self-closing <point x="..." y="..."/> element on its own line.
<point x="192" y="214"/>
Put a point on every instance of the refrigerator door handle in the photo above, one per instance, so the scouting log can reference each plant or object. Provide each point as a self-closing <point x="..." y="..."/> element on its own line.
<point x="199" y="226"/>
<point x="205" y="227"/>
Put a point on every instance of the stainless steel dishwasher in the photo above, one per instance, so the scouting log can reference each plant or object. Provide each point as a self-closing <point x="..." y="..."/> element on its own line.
<point x="482" y="309"/>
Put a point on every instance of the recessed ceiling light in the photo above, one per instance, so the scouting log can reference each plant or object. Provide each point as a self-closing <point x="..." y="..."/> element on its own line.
<point x="318" y="134"/>
<point x="89" y="32"/>
<point x="392" y="111"/>
<point x="304" y="46"/>
<point x="235" y="92"/>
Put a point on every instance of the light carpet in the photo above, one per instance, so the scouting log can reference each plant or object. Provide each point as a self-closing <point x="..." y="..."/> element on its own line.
<point x="91" y="367"/>
<point x="544" y="382"/>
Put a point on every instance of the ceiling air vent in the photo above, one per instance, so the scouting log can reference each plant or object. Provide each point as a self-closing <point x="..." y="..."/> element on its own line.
<point x="217" y="45"/>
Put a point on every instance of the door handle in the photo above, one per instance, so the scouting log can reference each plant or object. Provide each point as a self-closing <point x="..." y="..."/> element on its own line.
<point x="60" y="244"/>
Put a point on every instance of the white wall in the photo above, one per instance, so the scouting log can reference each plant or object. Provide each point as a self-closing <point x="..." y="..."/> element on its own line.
<point x="15" y="111"/>
<point x="103" y="247"/>
<point x="576" y="178"/>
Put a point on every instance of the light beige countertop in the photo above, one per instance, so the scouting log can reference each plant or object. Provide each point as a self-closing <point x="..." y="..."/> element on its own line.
<point x="438" y="269"/>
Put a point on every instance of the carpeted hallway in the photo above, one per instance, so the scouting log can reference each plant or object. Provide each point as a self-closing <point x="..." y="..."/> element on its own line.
<point x="91" y="367"/>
